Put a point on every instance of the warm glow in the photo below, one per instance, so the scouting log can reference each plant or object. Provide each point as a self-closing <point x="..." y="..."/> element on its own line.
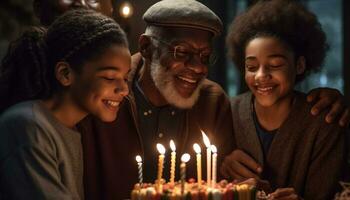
<point x="206" y="140"/>
<point x="185" y="157"/>
<point x="161" y="149"/>
<point x="213" y="149"/>
<point x="172" y="145"/>
<point x="126" y="10"/>
<point x="138" y="159"/>
<point x="197" y="148"/>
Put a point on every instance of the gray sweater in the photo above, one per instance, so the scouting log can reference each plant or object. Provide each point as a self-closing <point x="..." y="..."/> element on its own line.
<point x="40" y="158"/>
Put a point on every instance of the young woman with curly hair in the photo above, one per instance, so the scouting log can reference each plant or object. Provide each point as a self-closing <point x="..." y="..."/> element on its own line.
<point x="276" y="44"/>
<point x="50" y="80"/>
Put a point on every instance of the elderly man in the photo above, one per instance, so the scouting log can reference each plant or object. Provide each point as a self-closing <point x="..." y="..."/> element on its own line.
<point x="170" y="98"/>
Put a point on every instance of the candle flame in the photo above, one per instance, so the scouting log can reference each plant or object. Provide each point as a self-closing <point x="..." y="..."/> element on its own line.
<point x="197" y="148"/>
<point x="138" y="159"/>
<point x="213" y="149"/>
<point x="185" y="157"/>
<point x="161" y="148"/>
<point x="206" y="140"/>
<point x="172" y="145"/>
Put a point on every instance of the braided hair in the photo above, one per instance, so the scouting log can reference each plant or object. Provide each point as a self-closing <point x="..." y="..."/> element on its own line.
<point x="285" y="20"/>
<point x="28" y="70"/>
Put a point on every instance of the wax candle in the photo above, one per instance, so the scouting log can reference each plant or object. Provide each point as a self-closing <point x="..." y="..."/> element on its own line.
<point x="215" y="155"/>
<point x="173" y="161"/>
<point x="197" y="149"/>
<point x="207" y="144"/>
<point x="139" y="163"/>
<point x="161" y="151"/>
<point x="184" y="159"/>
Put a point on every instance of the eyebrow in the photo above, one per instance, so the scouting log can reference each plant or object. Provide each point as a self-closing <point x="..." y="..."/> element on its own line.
<point x="104" y="68"/>
<point x="270" y="56"/>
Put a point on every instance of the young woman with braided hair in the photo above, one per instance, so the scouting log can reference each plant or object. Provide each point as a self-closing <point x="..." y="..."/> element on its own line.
<point x="50" y="80"/>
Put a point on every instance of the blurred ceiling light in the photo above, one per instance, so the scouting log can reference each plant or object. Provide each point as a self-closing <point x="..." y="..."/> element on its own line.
<point x="126" y="10"/>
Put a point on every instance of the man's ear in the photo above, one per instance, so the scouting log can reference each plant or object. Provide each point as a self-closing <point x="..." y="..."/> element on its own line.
<point x="64" y="73"/>
<point x="145" y="46"/>
<point x="301" y="65"/>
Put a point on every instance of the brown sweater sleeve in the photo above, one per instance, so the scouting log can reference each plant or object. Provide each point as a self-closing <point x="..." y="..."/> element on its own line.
<point x="328" y="163"/>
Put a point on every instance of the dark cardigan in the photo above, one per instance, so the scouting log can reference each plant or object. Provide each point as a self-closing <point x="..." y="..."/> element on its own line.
<point x="306" y="153"/>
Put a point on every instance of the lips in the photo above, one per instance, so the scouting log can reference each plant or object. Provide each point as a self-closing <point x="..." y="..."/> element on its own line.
<point x="189" y="80"/>
<point x="265" y="89"/>
<point x="111" y="104"/>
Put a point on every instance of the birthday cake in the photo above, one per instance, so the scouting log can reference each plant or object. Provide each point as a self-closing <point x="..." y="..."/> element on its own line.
<point x="191" y="191"/>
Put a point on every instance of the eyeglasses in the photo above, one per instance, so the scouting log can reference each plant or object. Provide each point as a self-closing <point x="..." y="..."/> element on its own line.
<point x="184" y="54"/>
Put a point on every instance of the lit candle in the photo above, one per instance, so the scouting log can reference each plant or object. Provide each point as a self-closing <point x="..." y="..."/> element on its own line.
<point x="184" y="159"/>
<point x="197" y="149"/>
<point x="207" y="144"/>
<point x="161" y="151"/>
<point x="215" y="155"/>
<point x="139" y="163"/>
<point x="173" y="161"/>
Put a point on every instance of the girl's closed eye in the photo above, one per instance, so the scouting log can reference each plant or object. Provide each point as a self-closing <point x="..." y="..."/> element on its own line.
<point x="251" y="67"/>
<point x="277" y="63"/>
<point x="276" y="66"/>
<point x="108" y="78"/>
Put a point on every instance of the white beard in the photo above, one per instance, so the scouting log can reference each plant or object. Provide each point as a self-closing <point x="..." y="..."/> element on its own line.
<point x="164" y="81"/>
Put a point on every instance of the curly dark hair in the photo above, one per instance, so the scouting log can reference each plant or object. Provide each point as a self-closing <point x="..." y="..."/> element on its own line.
<point x="28" y="70"/>
<point x="285" y="20"/>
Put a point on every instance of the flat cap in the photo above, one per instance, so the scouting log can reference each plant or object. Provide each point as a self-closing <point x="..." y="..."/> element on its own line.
<point x="183" y="13"/>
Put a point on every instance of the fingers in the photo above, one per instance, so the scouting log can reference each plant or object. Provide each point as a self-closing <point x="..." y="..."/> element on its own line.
<point x="240" y="165"/>
<point x="333" y="99"/>
<point x="227" y="171"/>
<point x="280" y="192"/>
<point x="242" y="171"/>
<point x="321" y="104"/>
<point x="289" y="197"/>
<point x="313" y="95"/>
<point x="345" y="118"/>
<point x="327" y="98"/>
<point x="247" y="161"/>
<point x="284" y="194"/>
<point x="336" y="109"/>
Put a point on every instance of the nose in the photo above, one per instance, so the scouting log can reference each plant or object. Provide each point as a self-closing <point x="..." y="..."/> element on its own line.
<point x="122" y="89"/>
<point x="262" y="74"/>
<point x="80" y="3"/>
<point x="195" y="64"/>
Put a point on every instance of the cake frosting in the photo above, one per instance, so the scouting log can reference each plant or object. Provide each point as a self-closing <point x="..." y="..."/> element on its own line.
<point x="191" y="191"/>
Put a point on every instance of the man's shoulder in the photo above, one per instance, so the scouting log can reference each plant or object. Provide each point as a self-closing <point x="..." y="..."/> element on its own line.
<point x="211" y="88"/>
<point x="302" y="110"/>
<point x="212" y="97"/>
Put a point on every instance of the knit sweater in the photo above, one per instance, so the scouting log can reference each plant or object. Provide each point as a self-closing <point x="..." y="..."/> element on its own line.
<point x="40" y="158"/>
<point x="306" y="153"/>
